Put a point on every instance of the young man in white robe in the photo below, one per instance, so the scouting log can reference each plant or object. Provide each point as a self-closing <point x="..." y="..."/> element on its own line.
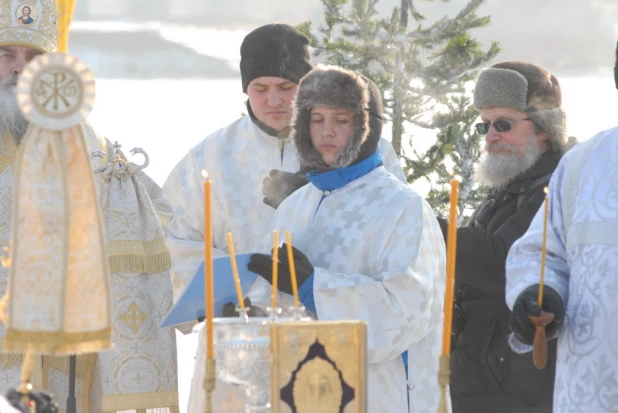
<point x="238" y="158"/>
<point x="581" y="276"/>
<point x="366" y="246"/>
<point x="140" y="371"/>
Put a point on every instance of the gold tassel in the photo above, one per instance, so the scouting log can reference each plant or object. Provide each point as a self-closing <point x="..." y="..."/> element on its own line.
<point x="81" y="364"/>
<point x="444" y="378"/>
<point x="10" y="359"/>
<point x="57" y="342"/>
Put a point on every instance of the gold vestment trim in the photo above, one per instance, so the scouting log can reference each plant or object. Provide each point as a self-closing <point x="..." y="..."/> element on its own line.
<point x="6" y="159"/>
<point x="57" y="342"/>
<point x="138" y="401"/>
<point x="139" y="256"/>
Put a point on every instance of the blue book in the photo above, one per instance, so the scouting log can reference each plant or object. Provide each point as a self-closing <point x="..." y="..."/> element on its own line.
<point x="190" y="305"/>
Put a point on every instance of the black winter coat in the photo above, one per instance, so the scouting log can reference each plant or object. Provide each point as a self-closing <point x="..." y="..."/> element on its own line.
<point x="486" y="375"/>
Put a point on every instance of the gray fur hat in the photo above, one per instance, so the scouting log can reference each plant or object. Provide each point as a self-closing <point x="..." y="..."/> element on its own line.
<point x="527" y="88"/>
<point x="334" y="87"/>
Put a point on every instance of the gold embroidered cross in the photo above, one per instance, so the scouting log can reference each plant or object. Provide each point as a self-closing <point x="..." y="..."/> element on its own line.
<point x="134" y="317"/>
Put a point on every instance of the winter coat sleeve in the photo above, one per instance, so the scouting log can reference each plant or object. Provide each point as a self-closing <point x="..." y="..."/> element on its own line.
<point x="524" y="260"/>
<point x="403" y="301"/>
<point x="390" y="160"/>
<point x="184" y="189"/>
<point x="481" y="256"/>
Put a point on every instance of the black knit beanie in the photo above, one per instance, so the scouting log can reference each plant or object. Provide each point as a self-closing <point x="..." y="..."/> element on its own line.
<point x="277" y="50"/>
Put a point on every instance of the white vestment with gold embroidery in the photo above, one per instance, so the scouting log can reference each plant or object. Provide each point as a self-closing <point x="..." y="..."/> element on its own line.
<point x="139" y="373"/>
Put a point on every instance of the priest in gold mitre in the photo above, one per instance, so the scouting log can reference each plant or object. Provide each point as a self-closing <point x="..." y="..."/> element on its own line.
<point x="139" y="373"/>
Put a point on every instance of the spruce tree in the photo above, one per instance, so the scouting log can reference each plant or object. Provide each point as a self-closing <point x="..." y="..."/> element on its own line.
<point x="424" y="70"/>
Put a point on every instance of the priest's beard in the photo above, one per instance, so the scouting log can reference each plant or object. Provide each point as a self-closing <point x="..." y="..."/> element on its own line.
<point x="499" y="169"/>
<point x="11" y="119"/>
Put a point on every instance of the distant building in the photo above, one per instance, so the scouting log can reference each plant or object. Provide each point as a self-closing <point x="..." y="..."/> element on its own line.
<point x="565" y="36"/>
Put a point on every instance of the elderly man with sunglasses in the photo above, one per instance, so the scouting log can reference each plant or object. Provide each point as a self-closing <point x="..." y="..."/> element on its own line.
<point x="525" y="136"/>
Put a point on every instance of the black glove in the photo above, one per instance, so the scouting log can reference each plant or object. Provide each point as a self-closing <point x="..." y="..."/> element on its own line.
<point x="262" y="265"/>
<point x="44" y="402"/>
<point x="229" y="310"/>
<point x="278" y="185"/>
<point x="527" y="304"/>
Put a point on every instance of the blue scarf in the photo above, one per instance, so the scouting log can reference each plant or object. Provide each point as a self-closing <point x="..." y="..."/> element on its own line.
<point x="338" y="178"/>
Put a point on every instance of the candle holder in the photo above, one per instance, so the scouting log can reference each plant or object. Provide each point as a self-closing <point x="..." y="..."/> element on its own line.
<point x="539" y="352"/>
<point x="242" y="351"/>
<point x="444" y="378"/>
<point x="298" y="313"/>
<point x="243" y="355"/>
<point x="210" y="381"/>
<point x="274" y="314"/>
<point x="243" y="314"/>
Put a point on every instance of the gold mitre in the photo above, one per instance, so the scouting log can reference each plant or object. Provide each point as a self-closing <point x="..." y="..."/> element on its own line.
<point x="58" y="300"/>
<point x="29" y="23"/>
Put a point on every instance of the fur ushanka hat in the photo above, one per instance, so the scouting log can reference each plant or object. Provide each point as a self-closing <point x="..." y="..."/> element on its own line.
<point x="334" y="87"/>
<point x="527" y="88"/>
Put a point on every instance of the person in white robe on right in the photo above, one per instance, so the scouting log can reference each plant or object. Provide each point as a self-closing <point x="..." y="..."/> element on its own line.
<point x="581" y="276"/>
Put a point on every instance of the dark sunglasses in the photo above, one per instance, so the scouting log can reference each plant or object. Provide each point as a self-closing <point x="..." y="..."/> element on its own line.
<point x="501" y="125"/>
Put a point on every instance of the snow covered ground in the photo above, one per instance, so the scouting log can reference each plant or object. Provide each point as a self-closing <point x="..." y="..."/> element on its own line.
<point x="167" y="117"/>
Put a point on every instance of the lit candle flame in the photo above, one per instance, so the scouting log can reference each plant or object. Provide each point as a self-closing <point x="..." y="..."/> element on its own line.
<point x="545" y="190"/>
<point x="205" y="174"/>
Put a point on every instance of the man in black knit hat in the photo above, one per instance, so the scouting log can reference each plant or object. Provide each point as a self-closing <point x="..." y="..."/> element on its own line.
<point x="273" y="60"/>
<point x="239" y="158"/>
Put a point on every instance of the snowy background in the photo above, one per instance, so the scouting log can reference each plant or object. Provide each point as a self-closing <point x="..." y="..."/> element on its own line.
<point x="166" y="86"/>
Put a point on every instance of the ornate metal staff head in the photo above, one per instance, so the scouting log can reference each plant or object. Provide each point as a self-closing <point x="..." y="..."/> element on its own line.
<point x="119" y="158"/>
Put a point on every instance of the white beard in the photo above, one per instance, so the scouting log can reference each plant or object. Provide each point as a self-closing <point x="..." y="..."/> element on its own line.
<point x="11" y="119"/>
<point x="499" y="169"/>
